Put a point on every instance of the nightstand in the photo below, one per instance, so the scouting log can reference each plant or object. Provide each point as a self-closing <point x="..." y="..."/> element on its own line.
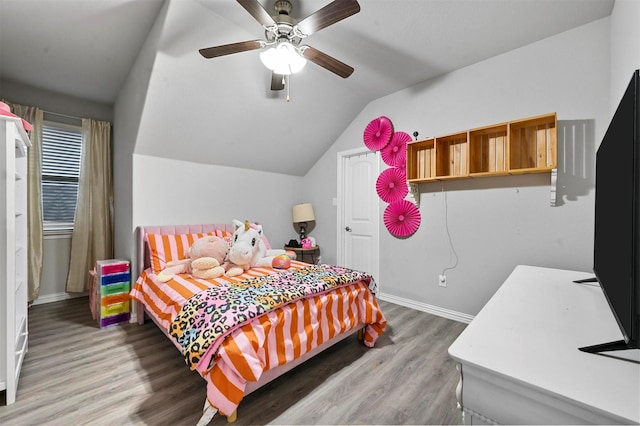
<point x="311" y="254"/>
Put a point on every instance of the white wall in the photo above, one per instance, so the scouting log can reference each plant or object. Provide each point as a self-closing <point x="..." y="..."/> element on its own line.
<point x="494" y="223"/>
<point x="128" y="111"/>
<point x="625" y="46"/>
<point x="169" y="192"/>
<point x="54" y="102"/>
<point x="55" y="267"/>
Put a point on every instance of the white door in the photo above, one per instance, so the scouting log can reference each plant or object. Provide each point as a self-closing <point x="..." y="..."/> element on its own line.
<point x="358" y="210"/>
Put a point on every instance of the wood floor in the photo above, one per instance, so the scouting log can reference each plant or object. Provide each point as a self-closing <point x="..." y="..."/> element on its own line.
<point x="78" y="374"/>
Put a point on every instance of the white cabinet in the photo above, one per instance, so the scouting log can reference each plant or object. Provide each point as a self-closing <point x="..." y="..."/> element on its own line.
<point x="13" y="253"/>
<point x="520" y="362"/>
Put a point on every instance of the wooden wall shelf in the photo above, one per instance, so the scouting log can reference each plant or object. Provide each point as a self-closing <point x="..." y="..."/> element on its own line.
<point x="522" y="146"/>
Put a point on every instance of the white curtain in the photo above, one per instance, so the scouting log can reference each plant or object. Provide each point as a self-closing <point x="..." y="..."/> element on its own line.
<point x="34" y="197"/>
<point x="92" y="237"/>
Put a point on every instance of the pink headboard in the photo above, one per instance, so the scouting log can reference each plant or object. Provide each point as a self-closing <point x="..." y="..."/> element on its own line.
<point x="142" y="251"/>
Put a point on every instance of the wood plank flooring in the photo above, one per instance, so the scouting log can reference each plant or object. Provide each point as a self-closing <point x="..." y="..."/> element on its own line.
<point x="78" y="374"/>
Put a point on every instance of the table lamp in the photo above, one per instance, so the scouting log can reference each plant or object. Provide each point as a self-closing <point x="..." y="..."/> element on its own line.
<point x="303" y="213"/>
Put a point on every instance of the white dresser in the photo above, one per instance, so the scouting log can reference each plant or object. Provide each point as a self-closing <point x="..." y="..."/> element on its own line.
<point x="520" y="362"/>
<point x="13" y="253"/>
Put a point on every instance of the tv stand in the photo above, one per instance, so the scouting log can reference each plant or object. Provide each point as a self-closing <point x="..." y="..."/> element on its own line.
<point x="618" y="345"/>
<point x="586" y="280"/>
<point x="519" y="360"/>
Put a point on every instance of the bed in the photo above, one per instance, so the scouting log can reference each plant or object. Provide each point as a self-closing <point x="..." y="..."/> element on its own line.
<point x="237" y="354"/>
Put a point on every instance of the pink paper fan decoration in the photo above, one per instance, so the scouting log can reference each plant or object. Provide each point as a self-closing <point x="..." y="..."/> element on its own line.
<point x="377" y="133"/>
<point x="395" y="153"/>
<point x="402" y="218"/>
<point x="392" y="185"/>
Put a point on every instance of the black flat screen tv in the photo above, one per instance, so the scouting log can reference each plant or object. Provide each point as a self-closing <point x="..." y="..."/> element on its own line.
<point x="616" y="257"/>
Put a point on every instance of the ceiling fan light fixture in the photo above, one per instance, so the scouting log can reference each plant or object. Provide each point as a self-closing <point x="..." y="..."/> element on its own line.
<point x="283" y="59"/>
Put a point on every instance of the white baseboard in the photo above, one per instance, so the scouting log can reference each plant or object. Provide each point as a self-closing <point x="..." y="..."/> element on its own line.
<point x="56" y="297"/>
<point x="430" y="309"/>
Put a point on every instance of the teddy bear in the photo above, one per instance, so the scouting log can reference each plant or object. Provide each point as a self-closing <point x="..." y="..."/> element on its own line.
<point x="204" y="259"/>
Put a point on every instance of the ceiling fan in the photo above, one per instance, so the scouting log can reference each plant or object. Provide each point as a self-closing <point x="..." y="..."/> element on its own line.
<point x="283" y="35"/>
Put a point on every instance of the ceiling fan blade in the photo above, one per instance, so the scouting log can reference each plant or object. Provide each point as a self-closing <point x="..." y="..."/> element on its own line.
<point x="277" y="81"/>
<point x="258" y="12"/>
<point x="326" y="61"/>
<point x="328" y="15"/>
<point x="227" y="49"/>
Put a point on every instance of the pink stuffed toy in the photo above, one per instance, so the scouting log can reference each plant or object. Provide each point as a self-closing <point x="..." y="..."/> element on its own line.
<point x="203" y="260"/>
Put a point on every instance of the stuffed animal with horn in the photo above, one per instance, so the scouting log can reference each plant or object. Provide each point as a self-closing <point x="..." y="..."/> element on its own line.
<point x="248" y="249"/>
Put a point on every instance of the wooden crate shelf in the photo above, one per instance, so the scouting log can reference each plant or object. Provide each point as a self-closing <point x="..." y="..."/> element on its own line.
<point x="527" y="145"/>
<point x="532" y="144"/>
<point x="452" y="156"/>
<point x="489" y="150"/>
<point x="421" y="159"/>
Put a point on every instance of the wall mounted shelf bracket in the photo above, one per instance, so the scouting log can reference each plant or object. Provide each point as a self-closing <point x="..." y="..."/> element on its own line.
<point x="414" y="193"/>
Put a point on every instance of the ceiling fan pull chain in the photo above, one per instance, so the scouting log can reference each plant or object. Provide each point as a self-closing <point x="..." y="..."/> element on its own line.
<point x="288" y="86"/>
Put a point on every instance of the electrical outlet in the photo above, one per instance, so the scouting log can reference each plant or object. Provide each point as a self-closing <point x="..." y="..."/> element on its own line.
<point x="442" y="280"/>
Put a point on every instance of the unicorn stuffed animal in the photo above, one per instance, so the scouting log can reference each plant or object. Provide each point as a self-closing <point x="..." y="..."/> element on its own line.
<point x="248" y="249"/>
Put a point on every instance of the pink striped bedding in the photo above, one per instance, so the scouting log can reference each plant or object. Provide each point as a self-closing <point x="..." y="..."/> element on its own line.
<point x="268" y="340"/>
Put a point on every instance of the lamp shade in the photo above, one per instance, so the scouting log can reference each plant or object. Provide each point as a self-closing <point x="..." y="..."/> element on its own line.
<point x="303" y="213"/>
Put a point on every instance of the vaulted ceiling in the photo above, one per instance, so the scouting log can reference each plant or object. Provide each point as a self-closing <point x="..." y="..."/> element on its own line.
<point x="221" y="110"/>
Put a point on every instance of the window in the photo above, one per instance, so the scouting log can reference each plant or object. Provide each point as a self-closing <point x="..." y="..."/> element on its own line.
<point x="61" y="154"/>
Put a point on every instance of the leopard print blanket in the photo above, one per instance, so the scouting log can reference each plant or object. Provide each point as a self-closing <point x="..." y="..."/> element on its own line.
<point x="211" y="314"/>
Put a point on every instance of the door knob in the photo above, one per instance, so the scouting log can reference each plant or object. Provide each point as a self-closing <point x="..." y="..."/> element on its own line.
<point x="346" y="228"/>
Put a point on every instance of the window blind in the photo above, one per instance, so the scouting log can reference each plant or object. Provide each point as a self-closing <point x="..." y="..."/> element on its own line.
<point x="61" y="156"/>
